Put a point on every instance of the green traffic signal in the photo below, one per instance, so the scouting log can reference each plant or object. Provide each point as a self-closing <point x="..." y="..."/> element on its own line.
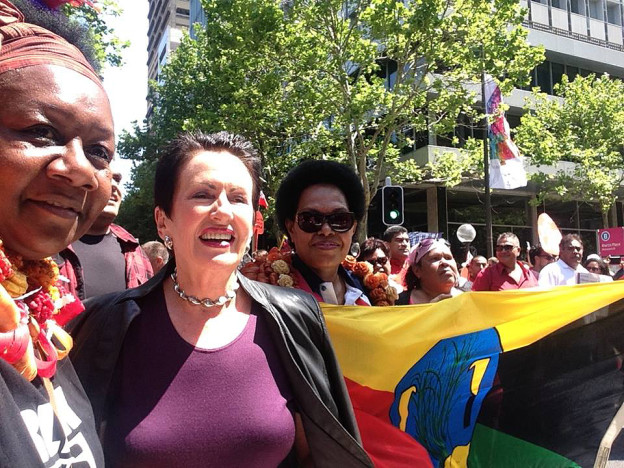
<point x="392" y="205"/>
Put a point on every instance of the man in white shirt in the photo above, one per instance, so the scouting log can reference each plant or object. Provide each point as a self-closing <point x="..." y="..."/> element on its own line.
<point x="564" y="270"/>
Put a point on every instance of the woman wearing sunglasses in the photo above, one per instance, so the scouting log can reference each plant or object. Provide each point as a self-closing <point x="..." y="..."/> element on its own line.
<point x="200" y="366"/>
<point x="431" y="274"/>
<point x="319" y="205"/>
<point x="377" y="253"/>
<point x="595" y="264"/>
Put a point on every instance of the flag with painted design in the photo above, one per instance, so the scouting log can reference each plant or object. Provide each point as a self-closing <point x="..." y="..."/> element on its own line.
<point x="506" y="165"/>
<point x="513" y="378"/>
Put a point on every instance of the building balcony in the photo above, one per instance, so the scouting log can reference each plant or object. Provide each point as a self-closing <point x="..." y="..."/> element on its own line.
<point x="581" y="27"/>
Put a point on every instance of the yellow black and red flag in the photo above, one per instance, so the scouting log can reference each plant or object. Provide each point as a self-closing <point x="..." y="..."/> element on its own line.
<point x="514" y="378"/>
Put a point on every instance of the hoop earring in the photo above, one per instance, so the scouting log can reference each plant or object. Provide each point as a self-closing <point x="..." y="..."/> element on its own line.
<point x="168" y="241"/>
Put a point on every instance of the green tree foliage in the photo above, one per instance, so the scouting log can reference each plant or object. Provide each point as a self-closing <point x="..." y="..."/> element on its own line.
<point x="107" y="46"/>
<point x="584" y="126"/>
<point x="351" y="81"/>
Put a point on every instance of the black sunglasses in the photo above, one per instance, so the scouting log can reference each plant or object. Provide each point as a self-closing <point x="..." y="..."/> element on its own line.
<point x="312" y="221"/>
<point x="506" y="247"/>
<point x="381" y="261"/>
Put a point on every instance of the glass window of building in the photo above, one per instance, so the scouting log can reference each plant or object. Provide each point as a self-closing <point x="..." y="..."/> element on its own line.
<point x="557" y="70"/>
<point x="596" y="9"/>
<point x="577" y="6"/>
<point x="559" y="4"/>
<point x="543" y="77"/>
<point x="614" y="13"/>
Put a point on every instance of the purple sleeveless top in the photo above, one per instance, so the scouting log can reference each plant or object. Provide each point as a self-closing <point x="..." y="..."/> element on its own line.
<point x="178" y="405"/>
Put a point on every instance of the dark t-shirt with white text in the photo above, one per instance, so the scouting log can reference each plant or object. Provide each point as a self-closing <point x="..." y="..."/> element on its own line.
<point x="31" y="435"/>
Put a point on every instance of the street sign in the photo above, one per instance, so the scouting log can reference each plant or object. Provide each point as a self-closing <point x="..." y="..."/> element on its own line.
<point x="611" y="241"/>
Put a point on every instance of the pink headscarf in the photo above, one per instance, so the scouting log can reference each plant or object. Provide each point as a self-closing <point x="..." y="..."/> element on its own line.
<point x="416" y="254"/>
<point x="24" y="45"/>
<point x="423" y="248"/>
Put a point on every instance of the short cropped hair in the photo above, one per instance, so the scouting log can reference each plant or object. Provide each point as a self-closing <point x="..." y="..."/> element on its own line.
<point x="180" y="150"/>
<point x="317" y="172"/>
<point x="508" y="235"/>
<point x="155" y="249"/>
<point x="535" y="251"/>
<point x="392" y="231"/>
<point x="568" y="238"/>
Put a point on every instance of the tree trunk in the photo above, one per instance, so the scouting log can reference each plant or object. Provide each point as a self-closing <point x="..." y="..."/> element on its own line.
<point x="605" y="218"/>
<point x="362" y="232"/>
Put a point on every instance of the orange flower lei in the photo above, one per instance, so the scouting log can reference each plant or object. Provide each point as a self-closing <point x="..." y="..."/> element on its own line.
<point x="274" y="268"/>
<point x="378" y="290"/>
<point x="32" y="310"/>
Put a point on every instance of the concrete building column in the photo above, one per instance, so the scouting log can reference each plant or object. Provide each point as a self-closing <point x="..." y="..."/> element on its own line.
<point x="432" y="209"/>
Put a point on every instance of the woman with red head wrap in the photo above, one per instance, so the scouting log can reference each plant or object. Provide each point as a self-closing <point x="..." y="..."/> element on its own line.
<point x="56" y="143"/>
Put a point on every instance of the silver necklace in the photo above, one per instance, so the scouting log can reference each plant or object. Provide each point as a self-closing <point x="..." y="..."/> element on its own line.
<point x="207" y="302"/>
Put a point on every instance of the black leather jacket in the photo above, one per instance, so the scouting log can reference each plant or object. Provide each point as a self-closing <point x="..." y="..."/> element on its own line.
<point x="298" y="331"/>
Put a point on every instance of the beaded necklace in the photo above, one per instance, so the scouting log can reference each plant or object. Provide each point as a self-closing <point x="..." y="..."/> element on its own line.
<point x="33" y="308"/>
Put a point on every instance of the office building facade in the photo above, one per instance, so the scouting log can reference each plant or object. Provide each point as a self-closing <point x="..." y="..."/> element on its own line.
<point x="167" y="21"/>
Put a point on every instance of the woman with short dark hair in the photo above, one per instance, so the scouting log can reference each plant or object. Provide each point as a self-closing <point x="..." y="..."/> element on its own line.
<point x="204" y="367"/>
<point x="377" y="253"/>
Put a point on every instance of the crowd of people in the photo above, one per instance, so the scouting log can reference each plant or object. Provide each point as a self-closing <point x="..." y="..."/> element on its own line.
<point x="179" y="359"/>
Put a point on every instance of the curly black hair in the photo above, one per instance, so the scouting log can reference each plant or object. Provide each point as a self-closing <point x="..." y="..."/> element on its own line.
<point x="73" y="32"/>
<point x="315" y="172"/>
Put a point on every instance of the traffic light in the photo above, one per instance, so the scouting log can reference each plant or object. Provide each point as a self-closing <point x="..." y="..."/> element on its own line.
<point x="392" y="205"/>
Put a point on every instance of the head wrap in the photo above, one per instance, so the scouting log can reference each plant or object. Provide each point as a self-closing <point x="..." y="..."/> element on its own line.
<point x="24" y="45"/>
<point x="423" y="248"/>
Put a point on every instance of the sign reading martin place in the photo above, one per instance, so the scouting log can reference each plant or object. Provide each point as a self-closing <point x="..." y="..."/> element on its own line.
<point x="611" y="241"/>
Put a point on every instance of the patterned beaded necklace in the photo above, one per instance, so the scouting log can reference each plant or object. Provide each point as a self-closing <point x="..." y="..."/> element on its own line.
<point x="33" y="308"/>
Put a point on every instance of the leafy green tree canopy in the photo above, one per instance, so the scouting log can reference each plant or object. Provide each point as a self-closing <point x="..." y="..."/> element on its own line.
<point x="107" y="46"/>
<point x="584" y="126"/>
<point x="352" y="81"/>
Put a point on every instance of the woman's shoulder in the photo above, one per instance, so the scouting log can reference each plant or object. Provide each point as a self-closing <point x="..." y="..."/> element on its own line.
<point x="289" y="304"/>
<point x="279" y="295"/>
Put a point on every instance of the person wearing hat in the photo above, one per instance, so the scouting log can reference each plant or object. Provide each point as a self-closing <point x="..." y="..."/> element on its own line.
<point x="56" y="143"/>
<point x="596" y="265"/>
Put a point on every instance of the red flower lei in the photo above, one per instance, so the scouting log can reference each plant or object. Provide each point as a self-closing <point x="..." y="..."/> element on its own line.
<point x="378" y="290"/>
<point x="32" y="310"/>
